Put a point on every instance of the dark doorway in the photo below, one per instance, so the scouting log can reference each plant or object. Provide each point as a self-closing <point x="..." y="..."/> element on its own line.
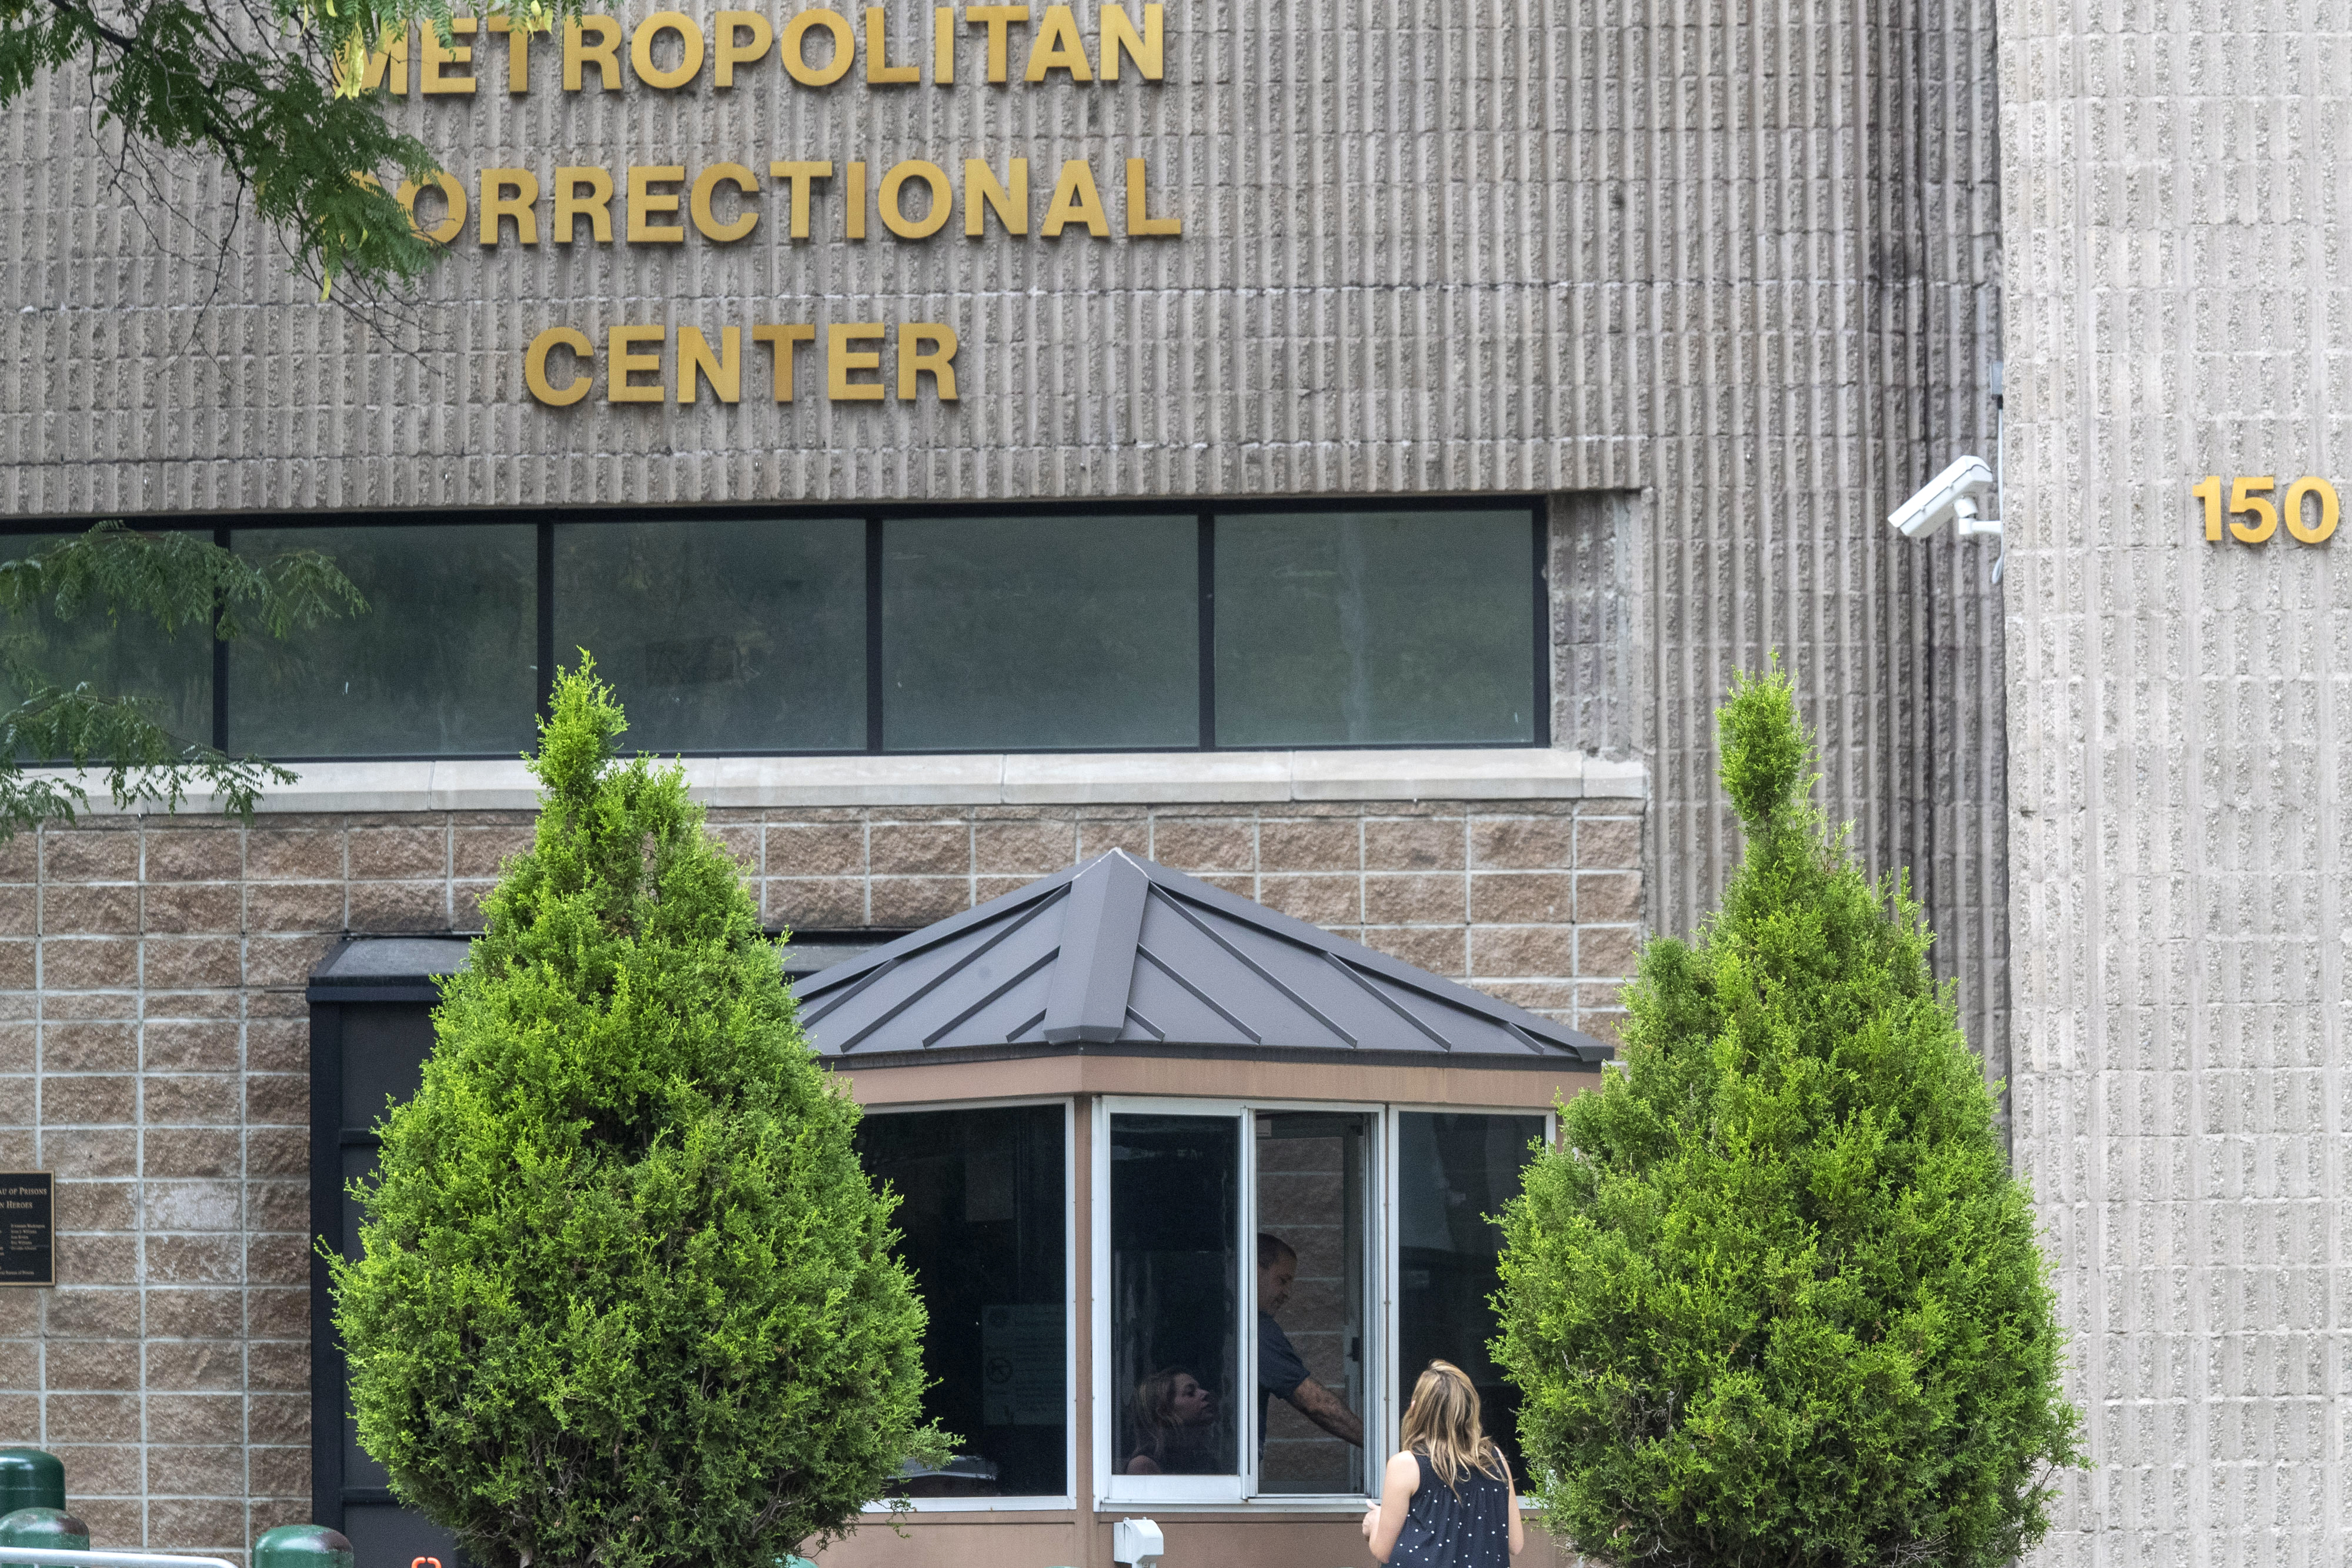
<point x="371" y="1030"/>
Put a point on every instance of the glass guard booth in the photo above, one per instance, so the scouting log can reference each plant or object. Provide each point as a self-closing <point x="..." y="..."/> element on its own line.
<point x="1192" y="1192"/>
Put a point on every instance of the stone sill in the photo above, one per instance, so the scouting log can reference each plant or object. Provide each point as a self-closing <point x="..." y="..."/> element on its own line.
<point x="1122" y="779"/>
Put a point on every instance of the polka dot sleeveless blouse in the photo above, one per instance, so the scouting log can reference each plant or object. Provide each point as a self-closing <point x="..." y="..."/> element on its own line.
<point x="1466" y="1525"/>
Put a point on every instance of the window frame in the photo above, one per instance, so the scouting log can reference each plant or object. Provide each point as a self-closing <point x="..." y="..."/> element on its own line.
<point x="225" y="526"/>
<point x="1113" y="1490"/>
<point x="1384" y="1397"/>
<point x="1067" y="1498"/>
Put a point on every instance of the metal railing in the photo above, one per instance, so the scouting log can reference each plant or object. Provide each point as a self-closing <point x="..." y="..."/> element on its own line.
<point x="63" y="1557"/>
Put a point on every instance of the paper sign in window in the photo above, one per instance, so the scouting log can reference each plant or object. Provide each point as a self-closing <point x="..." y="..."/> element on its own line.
<point x="1021" y="1364"/>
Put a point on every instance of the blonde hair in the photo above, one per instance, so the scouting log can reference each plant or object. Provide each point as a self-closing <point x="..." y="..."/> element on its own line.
<point x="1158" y="1435"/>
<point x="1441" y="1422"/>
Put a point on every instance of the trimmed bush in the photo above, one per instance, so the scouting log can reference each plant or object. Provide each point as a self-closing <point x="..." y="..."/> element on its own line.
<point x="1777" y="1298"/>
<point x="625" y="1297"/>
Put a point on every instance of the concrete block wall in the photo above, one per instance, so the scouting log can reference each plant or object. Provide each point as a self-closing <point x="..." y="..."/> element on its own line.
<point x="1739" y="264"/>
<point x="1539" y="903"/>
<point x="154" y="1055"/>
<point x="2180" y="721"/>
<point x="1805" y="207"/>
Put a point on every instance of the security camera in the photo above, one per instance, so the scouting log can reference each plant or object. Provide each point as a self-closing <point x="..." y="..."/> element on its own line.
<point x="1949" y="495"/>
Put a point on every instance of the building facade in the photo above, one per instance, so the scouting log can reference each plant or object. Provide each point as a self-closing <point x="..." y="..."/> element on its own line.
<point x="941" y="440"/>
<point x="2179" y="732"/>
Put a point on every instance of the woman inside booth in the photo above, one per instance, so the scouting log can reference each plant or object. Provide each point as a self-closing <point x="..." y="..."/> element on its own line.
<point x="1175" y="1427"/>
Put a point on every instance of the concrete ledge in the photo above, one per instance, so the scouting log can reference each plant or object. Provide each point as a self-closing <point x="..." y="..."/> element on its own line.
<point x="1106" y="778"/>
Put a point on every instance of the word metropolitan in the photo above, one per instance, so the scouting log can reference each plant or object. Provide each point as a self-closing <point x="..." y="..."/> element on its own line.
<point x="670" y="50"/>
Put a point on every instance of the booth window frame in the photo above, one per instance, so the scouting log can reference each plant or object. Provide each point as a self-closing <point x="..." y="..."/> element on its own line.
<point x="1068" y="1499"/>
<point x="1384" y="1408"/>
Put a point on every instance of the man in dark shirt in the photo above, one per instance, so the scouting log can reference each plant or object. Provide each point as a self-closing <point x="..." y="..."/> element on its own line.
<point x="1281" y="1374"/>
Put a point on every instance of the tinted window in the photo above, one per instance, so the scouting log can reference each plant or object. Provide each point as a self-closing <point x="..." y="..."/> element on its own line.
<point x="1010" y="633"/>
<point x="982" y="1218"/>
<point x="1375" y="628"/>
<point x="947" y="633"/>
<point x="440" y="666"/>
<point x="1175" y="1295"/>
<point x="1454" y="1170"/>
<point x="735" y="635"/>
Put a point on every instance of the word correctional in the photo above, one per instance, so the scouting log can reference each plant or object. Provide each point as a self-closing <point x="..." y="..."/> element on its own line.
<point x="816" y="48"/>
<point x="915" y="199"/>
<point x="852" y="353"/>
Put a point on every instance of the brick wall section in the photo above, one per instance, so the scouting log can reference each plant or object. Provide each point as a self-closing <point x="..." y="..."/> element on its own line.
<point x="1538" y="902"/>
<point x="154" y="1038"/>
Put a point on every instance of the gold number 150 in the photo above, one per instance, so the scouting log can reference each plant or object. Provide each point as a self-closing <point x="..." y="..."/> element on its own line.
<point x="2246" y="498"/>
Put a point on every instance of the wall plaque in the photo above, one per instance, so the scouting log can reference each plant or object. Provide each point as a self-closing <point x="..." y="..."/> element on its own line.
<point x="27" y="1229"/>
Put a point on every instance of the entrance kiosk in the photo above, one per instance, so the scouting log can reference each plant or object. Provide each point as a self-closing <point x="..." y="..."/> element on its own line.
<point x="1193" y="1191"/>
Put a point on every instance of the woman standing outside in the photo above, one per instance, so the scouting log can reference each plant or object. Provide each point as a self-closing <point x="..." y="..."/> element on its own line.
<point x="1447" y="1500"/>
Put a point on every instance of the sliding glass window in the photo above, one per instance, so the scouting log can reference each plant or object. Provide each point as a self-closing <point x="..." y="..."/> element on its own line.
<point x="1176" y="1290"/>
<point x="1236" y="1305"/>
<point x="1313" y="1179"/>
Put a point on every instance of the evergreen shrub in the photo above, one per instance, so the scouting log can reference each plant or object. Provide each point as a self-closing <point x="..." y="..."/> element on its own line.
<point x="625" y="1297"/>
<point x="1777" y="1298"/>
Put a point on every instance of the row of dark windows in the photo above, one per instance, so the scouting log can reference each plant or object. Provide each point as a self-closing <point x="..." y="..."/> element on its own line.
<point x="984" y="1220"/>
<point x="944" y="632"/>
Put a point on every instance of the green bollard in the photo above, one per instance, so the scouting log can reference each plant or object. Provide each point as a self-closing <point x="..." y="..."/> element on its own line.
<point x="302" y="1546"/>
<point x="47" y="1529"/>
<point x="30" y="1478"/>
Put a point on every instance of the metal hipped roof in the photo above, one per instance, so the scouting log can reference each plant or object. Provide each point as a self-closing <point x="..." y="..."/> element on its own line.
<point x="1119" y="956"/>
<point x="387" y="969"/>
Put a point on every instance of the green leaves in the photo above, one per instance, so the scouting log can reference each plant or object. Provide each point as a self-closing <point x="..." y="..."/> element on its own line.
<point x="627" y="1297"/>
<point x="1777" y="1298"/>
<point x="1764" y="751"/>
<point x="273" y="93"/>
<point x="141" y="760"/>
<point x="174" y="578"/>
<point x="173" y="74"/>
